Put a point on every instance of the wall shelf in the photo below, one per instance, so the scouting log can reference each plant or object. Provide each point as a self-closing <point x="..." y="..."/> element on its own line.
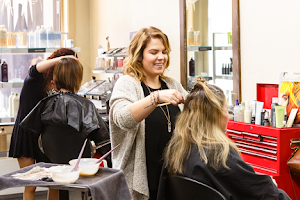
<point x="112" y="71"/>
<point x="33" y="50"/>
<point x="10" y="84"/>
<point x="199" y="48"/>
<point x="222" y="48"/>
<point x="227" y="77"/>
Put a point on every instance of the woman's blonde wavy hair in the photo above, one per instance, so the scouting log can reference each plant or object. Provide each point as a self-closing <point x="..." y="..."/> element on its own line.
<point x="132" y="63"/>
<point x="200" y="123"/>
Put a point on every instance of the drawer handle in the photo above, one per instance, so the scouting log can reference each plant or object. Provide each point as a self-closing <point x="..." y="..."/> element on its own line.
<point x="255" y="141"/>
<point x="250" y="134"/>
<point x="256" y="148"/>
<point x="256" y="154"/>
<point x="269" y="137"/>
<point x="232" y="131"/>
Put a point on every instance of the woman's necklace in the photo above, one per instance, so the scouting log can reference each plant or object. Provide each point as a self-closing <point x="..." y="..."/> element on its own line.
<point x="167" y="116"/>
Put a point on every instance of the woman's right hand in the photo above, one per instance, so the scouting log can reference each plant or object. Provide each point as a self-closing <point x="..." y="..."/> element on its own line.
<point x="69" y="56"/>
<point x="171" y="96"/>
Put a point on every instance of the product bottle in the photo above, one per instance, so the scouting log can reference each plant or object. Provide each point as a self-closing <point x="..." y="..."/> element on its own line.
<point x="15" y="103"/>
<point x="43" y="37"/>
<point x="227" y="69"/>
<point x="192" y="67"/>
<point x="247" y="113"/>
<point x="190" y="36"/>
<point x="266" y="119"/>
<point x="13" y="39"/>
<point x="197" y="38"/>
<point x="31" y="39"/>
<point x="273" y="116"/>
<point x="18" y="39"/>
<point x="236" y="111"/>
<point x="23" y="42"/>
<point x="10" y="104"/>
<point x="3" y="36"/>
<point x="253" y="109"/>
<point x="3" y="140"/>
<point x="57" y="39"/>
<point x="223" y="68"/>
<point x="242" y="109"/>
<point x="4" y="71"/>
<point x="50" y="37"/>
<point x="37" y="37"/>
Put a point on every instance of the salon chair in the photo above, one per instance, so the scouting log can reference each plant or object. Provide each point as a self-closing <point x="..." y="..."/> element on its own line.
<point x="181" y="188"/>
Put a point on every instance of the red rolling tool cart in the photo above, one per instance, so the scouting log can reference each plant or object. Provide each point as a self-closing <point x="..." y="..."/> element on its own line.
<point x="267" y="150"/>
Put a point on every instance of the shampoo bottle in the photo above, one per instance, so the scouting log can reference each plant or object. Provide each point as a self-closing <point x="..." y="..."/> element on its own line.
<point x="13" y="39"/>
<point x="23" y="42"/>
<point x="10" y="104"/>
<point x="253" y="109"/>
<point x="51" y="38"/>
<point x="273" y="116"/>
<point x="3" y="37"/>
<point x="4" y="72"/>
<point x="15" y="102"/>
<point x="259" y="110"/>
<point x="197" y="38"/>
<point x="37" y="37"/>
<point x="3" y="140"/>
<point x="192" y="67"/>
<point x="242" y="109"/>
<point x="236" y="111"/>
<point x="190" y="36"/>
<point x="57" y="39"/>
<point x="266" y="119"/>
<point x="279" y="112"/>
<point x="43" y="37"/>
<point x="247" y="113"/>
<point x="31" y="39"/>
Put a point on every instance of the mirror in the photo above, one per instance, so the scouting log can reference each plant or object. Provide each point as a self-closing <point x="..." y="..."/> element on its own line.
<point x="210" y="64"/>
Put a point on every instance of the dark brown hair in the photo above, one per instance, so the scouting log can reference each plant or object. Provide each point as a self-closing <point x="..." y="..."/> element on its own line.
<point x="67" y="74"/>
<point x="48" y="75"/>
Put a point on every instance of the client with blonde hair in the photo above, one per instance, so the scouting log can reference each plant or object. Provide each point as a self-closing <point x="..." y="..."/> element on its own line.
<point x="200" y="150"/>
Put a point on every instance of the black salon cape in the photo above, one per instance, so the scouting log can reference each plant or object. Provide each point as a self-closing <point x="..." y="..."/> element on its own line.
<point x="240" y="182"/>
<point x="67" y="112"/>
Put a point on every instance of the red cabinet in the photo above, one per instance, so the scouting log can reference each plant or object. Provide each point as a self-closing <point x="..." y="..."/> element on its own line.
<point x="267" y="150"/>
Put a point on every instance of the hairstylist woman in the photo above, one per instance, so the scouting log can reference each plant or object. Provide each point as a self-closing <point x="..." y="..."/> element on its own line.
<point x="137" y="122"/>
<point x="200" y="150"/>
<point x="24" y="145"/>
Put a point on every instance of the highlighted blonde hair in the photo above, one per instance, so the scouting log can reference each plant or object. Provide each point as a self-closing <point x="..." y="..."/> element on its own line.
<point x="200" y="123"/>
<point x="132" y="63"/>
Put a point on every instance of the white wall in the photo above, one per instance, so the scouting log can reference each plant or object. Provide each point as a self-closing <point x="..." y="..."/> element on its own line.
<point x="116" y="18"/>
<point x="270" y="33"/>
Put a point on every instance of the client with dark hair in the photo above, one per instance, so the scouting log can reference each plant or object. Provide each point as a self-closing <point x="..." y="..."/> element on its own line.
<point x="64" y="120"/>
<point x="36" y="86"/>
<point x="200" y="150"/>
